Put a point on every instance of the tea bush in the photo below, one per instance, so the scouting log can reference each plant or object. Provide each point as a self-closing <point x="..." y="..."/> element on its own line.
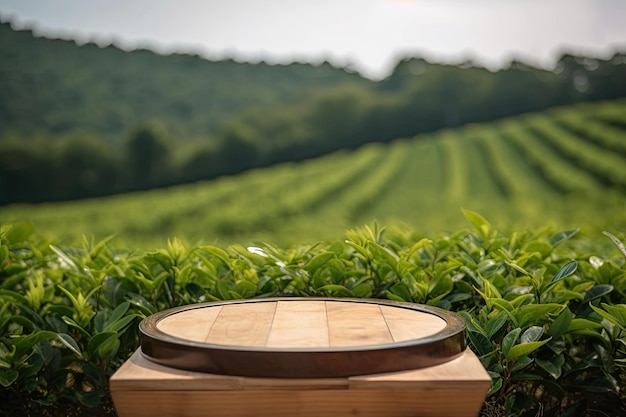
<point x="544" y="310"/>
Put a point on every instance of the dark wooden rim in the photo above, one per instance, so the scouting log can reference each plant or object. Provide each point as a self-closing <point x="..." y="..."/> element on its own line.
<point x="329" y="362"/>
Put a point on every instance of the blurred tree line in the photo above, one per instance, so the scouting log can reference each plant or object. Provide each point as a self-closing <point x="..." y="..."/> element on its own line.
<point x="75" y="121"/>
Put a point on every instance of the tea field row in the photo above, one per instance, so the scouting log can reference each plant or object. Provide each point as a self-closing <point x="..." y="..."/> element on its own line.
<point x="566" y="166"/>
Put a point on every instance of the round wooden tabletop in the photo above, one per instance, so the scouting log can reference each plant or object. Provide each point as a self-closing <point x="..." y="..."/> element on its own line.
<point x="302" y="337"/>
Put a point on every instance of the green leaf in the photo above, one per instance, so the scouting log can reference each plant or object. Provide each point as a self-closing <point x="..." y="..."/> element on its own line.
<point x="98" y="247"/>
<point x="496" y="383"/>
<point x="565" y="271"/>
<point x="441" y="286"/>
<point x="90" y="399"/>
<point x="532" y="334"/>
<point x="102" y="344"/>
<point x="518" y="268"/>
<point x="402" y="291"/>
<point x="26" y="323"/>
<point x="96" y="340"/>
<point x="617" y="242"/>
<point x="121" y="325"/>
<point x="194" y="290"/>
<point x="553" y="366"/>
<point x="65" y="260"/>
<point x="362" y="291"/>
<point x="72" y="323"/>
<point x="482" y="345"/>
<point x="14" y="296"/>
<point x="563" y="236"/>
<point x="383" y="253"/>
<point x="4" y="255"/>
<point x="495" y="324"/>
<point x="561" y="324"/>
<point x="25" y="343"/>
<point x="392" y="296"/>
<point x="535" y="314"/>
<point x="417" y="246"/>
<point x="502" y="303"/>
<point x="615" y="314"/>
<point x="70" y="343"/>
<point x="524" y="349"/>
<point x="117" y="313"/>
<point x="509" y="340"/>
<point x="479" y="222"/>
<point x="245" y="288"/>
<point x="222" y="290"/>
<point x="218" y="253"/>
<point x="601" y="385"/>
<point x="541" y="247"/>
<point x="318" y="261"/>
<point x="8" y="377"/>
<point x="582" y="324"/>
<point x="522" y="363"/>
<point x="139" y="301"/>
<point x="334" y="288"/>
<point x="19" y="233"/>
<point x="360" y="249"/>
<point x="563" y="296"/>
<point x="597" y="291"/>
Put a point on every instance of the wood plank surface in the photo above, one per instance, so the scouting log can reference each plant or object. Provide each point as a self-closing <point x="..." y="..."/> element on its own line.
<point x="356" y="324"/>
<point x="299" y="403"/>
<point x="191" y="325"/>
<point x="138" y="373"/>
<point x="405" y="324"/>
<point x="141" y="388"/>
<point x="454" y="374"/>
<point x="299" y="325"/>
<point x="243" y="325"/>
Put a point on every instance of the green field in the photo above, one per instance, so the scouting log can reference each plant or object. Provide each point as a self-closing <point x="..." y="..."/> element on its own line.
<point x="564" y="167"/>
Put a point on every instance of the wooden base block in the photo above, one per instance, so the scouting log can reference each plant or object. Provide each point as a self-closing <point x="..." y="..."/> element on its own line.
<point x="456" y="388"/>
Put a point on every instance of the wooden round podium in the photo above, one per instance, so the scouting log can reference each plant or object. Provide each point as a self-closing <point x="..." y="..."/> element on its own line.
<point x="301" y="357"/>
<point x="302" y="337"/>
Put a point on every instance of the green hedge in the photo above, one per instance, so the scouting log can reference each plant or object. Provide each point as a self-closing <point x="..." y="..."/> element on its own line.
<point x="545" y="311"/>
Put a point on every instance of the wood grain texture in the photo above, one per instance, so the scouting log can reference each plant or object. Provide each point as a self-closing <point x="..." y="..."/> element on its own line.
<point x="243" y="325"/>
<point x="456" y="388"/>
<point x="454" y="374"/>
<point x="302" y="337"/>
<point x="352" y="324"/>
<point x="294" y="324"/>
<point x="298" y="404"/>
<point x="299" y="325"/>
<point x="407" y="324"/>
<point x="193" y="325"/>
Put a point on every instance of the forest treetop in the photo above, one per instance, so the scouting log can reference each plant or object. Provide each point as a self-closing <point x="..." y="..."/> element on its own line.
<point x="84" y="112"/>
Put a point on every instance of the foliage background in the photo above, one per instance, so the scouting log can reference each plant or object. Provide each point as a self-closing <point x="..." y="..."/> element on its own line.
<point x="89" y="120"/>
<point x="544" y="310"/>
<point x="296" y="155"/>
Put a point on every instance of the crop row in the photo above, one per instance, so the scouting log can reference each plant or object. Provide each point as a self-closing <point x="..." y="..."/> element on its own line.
<point x="264" y="208"/>
<point x="455" y="165"/>
<point x="607" y="166"/>
<point x="375" y="182"/>
<point x="518" y="178"/>
<point x="594" y="130"/>
<point x="556" y="169"/>
<point x="423" y="180"/>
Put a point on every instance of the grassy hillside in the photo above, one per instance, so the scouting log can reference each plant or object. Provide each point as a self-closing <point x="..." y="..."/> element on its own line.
<point x="54" y="86"/>
<point x="565" y="167"/>
<point x="84" y="121"/>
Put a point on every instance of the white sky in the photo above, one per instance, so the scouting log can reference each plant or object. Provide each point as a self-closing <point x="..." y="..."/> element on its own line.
<point x="370" y="35"/>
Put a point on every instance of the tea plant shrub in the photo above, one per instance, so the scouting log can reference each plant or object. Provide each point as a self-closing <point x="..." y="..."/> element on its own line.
<point x="544" y="309"/>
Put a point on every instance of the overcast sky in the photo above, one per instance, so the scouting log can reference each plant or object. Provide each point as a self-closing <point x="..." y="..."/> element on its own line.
<point x="370" y="35"/>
